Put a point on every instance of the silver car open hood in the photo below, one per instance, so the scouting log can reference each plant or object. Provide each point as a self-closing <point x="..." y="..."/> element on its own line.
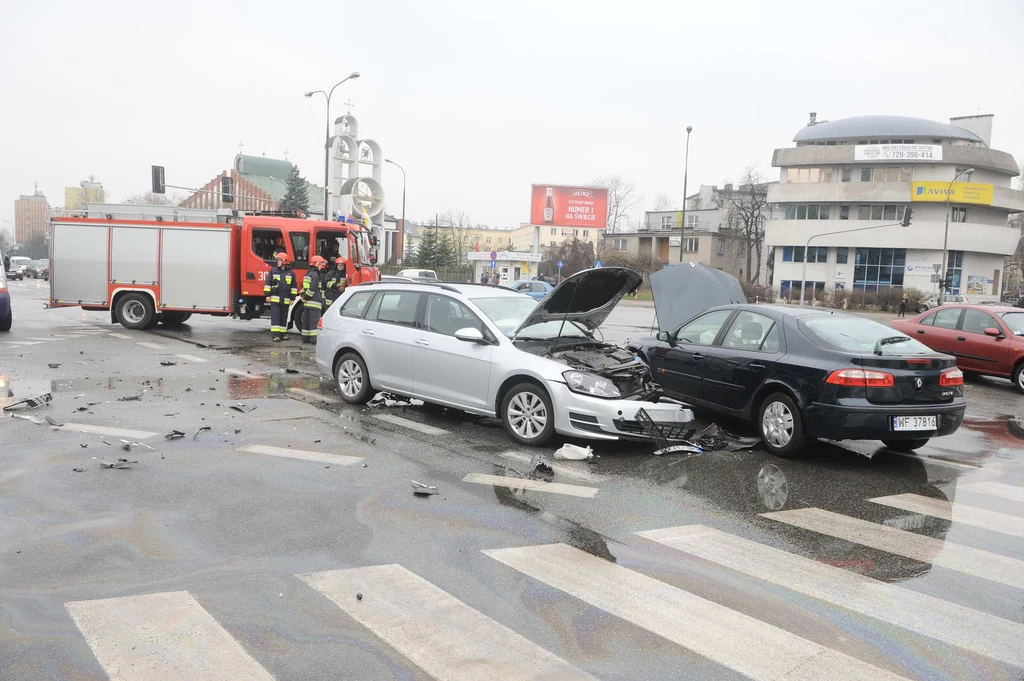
<point x="587" y="297"/>
<point x="683" y="291"/>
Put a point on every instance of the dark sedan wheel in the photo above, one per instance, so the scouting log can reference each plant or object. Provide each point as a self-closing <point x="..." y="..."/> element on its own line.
<point x="905" y="445"/>
<point x="781" y="426"/>
<point x="527" y="415"/>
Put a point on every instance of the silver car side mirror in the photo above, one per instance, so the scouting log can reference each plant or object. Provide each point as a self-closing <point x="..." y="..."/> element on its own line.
<point x="471" y="335"/>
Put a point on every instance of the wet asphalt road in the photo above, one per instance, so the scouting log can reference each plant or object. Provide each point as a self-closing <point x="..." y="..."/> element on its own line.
<point x="233" y="529"/>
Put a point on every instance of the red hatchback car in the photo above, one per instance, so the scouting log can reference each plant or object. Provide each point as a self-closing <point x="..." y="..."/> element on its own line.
<point x="985" y="339"/>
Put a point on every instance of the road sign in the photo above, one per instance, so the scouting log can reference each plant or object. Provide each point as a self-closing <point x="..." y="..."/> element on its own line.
<point x="494" y="265"/>
<point x="937" y="266"/>
<point x="599" y="263"/>
<point x="560" y="264"/>
<point x="935" y="279"/>
<point x="494" y="256"/>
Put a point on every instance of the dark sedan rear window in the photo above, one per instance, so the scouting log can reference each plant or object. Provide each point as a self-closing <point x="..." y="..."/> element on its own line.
<point x="852" y="334"/>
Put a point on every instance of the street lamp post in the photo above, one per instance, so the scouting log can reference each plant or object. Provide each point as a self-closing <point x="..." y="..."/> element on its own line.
<point x="803" y="277"/>
<point x="944" y="268"/>
<point x="388" y="160"/>
<point x="686" y="170"/>
<point x="327" y="137"/>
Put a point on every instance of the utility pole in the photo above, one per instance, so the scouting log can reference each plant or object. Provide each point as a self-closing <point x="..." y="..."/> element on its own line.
<point x="686" y="170"/>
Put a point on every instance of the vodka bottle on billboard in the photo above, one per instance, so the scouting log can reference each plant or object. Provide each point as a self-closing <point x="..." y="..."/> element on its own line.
<point x="549" y="206"/>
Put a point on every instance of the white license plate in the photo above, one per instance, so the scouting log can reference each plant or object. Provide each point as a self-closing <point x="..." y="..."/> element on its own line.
<point x="914" y="423"/>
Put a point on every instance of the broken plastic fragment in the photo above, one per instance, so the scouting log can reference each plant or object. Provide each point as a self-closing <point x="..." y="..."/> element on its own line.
<point x="120" y="463"/>
<point x="130" y="398"/>
<point x="573" y="452"/>
<point x="194" y="437"/>
<point x="244" y="408"/>
<point x="54" y="365"/>
<point x="127" y="445"/>
<point x="541" y="469"/>
<point x="672" y="449"/>
<point x="31" y="402"/>
<point x="39" y="420"/>
<point x="419" y="489"/>
<point x="167" y="363"/>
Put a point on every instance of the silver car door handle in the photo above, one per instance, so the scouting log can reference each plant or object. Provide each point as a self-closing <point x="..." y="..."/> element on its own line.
<point x="420" y="341"/>
<point x="368" y="332"/>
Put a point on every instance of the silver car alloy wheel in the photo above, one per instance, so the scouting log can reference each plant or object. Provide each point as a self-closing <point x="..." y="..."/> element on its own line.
<point x="527" y="415"/>
<point x="777" y="424"/>
<point x="350" y="378"/>
<point x="134" y="312"/>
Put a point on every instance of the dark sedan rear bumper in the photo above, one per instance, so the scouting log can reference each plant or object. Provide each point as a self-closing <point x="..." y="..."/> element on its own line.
<point x="835" y="422"/>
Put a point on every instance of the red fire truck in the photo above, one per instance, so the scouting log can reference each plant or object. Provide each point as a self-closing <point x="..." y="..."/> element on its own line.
<point x="154" y="271"/>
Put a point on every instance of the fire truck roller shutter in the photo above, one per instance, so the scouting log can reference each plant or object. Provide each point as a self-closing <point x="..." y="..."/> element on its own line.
<point x="133" y="254"/>
<point x="79" y="263"/>
<point x="196" y="268"/>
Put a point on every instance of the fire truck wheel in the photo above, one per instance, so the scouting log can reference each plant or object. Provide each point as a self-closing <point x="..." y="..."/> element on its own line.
<point x="174" y="318"/>
<point x="135" y="311"/>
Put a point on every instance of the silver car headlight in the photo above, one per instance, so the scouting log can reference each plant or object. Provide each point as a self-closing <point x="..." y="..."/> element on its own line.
<point x="589" y="384"/>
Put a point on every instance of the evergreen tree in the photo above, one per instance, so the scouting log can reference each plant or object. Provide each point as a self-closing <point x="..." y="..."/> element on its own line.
<point x="426" y="252"/>
<point x="296" y="196"/>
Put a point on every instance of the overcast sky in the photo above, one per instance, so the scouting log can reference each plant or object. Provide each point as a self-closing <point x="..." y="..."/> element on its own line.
<point x="475" y="101"/>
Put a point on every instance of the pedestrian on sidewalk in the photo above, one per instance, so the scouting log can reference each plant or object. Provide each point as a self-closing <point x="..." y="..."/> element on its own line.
<point x="280" y="291"/>
<point x="903" y="306"/>
<point x="312" y="298"/>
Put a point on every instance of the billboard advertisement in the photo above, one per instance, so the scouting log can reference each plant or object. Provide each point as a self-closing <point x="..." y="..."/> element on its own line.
<point x="959" y="192"/>
<point x="897" y="152"/>
<point x="562" y="206"/>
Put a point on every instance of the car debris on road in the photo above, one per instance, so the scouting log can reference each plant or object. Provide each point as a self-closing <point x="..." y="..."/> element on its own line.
<point x="121" y="464"/>
<point x="31" y="402"/>
<point x="573" y="452"/>
<point x="421" y="490"/>
<point x="244" y="408"/>
<point x="39" y="420"/>
<point x="196" y="436"/>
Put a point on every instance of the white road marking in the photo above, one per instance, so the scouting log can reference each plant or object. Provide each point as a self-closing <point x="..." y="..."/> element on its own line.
<point x="242" y="373"/>
<point x="152" y="346"/>
<point x="948" y="622"/>
<point x="193" y="358"/>
<point x="411" y="425"/>
<point x="439" y="633"/>
<point x="740" y="642"/>
<point x="23" y="343"/>
<point x="995" y="489"/>
<point x="76" y="334"/>
<point x="322" y="457"/>
<point x="958" y="513"/>
<point x="44" y="340"/>
<point x="560" y="469"/>
<point x="957" y="557"/>
<point x="119" y="335"/>
<point x="534" y="485"/>
<point x="312" y="394"/>
<point x="165" y="636"/>
<point x="108" y="430"/>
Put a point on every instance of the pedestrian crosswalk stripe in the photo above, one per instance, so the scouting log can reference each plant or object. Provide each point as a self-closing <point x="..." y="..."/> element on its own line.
<point x="323" y="397"/>
<point x="108" y="430"/>
<point x="439" y="633"/>
<point x="995" y="489"/>
<point x="567" y="471"/>
<point x="971" y="561"/>
<point x="534" y="485"/>
<point x="44" y="340"/>
<point x="193" y="358"/>
<point x="165" y="636"/>
<point x="119" y="335"/>
<point x="958" y="513"/>
<point x="322" y="457"/>
<point x="410" y="424"/>
<point x="742" y="643"/>
<point x="948" y="622"/>
<point x="23" y="342"/>
<point x="152" y="346"/>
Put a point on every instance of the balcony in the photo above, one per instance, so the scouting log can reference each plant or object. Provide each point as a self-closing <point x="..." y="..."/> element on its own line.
<point x="961" y="156"/>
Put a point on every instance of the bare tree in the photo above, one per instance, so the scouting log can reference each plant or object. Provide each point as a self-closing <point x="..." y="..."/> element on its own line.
<point x="662" y="202"/>
<point x="747" y="213"/>
<point x="151" y="199"/>
<point x="622" y="199"/>
<point x="6" y="241"/>
<point x="458" y="223"/>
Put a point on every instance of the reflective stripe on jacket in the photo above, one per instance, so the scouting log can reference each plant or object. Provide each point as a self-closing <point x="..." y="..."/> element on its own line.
<point x="280" y="286"/>
<point x="312" y="290"/>
<point x="331" y="289"/>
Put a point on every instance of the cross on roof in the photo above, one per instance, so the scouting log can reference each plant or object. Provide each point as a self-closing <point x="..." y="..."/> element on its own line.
<point x="240" y="145"/>
<point x="286" y="154"/>
<point x="348" y="105"/>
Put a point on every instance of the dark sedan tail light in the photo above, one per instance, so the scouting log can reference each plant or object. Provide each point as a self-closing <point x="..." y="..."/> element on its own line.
<point x="951" y="377"/>
<point x="862" y="378"/>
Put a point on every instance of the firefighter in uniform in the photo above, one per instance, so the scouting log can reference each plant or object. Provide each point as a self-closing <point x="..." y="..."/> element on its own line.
<point x="335" y="283"/>
<point x="312" y="298"/>
<point x="280" y="290"/>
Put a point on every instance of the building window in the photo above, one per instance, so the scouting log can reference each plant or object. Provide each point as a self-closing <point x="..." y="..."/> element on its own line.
<point x="721" y="246"/>
<point x="585" y="233"/>
<point x="875" y="268"/>
<point x="817" y="254"/>
<point x="893" y="174"/>
<point x="617" y="245"/>
<point x="791" y="289"/>
<point x="488" y="240"/>
<point x="842" y="254"/>
<point x="962" y="178"/>
<point x="803" y="211"/>
<point x="692" y="221"/>
<point x="954" y="270"/>
<point x="847" y="174"/>
<point x="552" y="243"/>
<point x="691" y="245"/>
<point x="553" y="232"/>
<point x="844" y="212"/>
<point x="787" y="254"/>
<point x="866" y="173"/>
<point x="575" y="232"/>
<point x="666" y="222"/>
<point x="958" y="214"/>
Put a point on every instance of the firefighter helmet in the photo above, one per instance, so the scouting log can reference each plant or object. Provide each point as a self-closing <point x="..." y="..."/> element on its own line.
<point x="316" y="261"/>
<point x="339" y="260"/>
<point x="282" y="256"/>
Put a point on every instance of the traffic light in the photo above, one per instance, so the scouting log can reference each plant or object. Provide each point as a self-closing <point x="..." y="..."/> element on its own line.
<point x="158" y="180"/>
<point x="227" y="194"/>
<point x="908" y="214"/>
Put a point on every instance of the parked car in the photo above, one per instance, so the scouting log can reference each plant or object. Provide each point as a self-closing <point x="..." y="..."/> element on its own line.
<point x="489" y="350"/>
<point x="933" y="302"/>
<point x="986" y="340"/>
<point x="534" y="289"/>
<point x="418" y="274"/>
<point x="6" y="315"/>
<point x="13" y="269"/>
<point x="796" y="372"/>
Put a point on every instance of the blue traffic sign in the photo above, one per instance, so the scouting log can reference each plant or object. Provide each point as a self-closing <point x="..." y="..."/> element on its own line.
<point x="599" y="263"/>
<point x="560" y="264"/>
<point x="494" y="256"/>
<point x="494" y="265"/>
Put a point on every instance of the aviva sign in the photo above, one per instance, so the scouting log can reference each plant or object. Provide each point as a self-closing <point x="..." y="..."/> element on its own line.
<point x="959" y="192"/>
